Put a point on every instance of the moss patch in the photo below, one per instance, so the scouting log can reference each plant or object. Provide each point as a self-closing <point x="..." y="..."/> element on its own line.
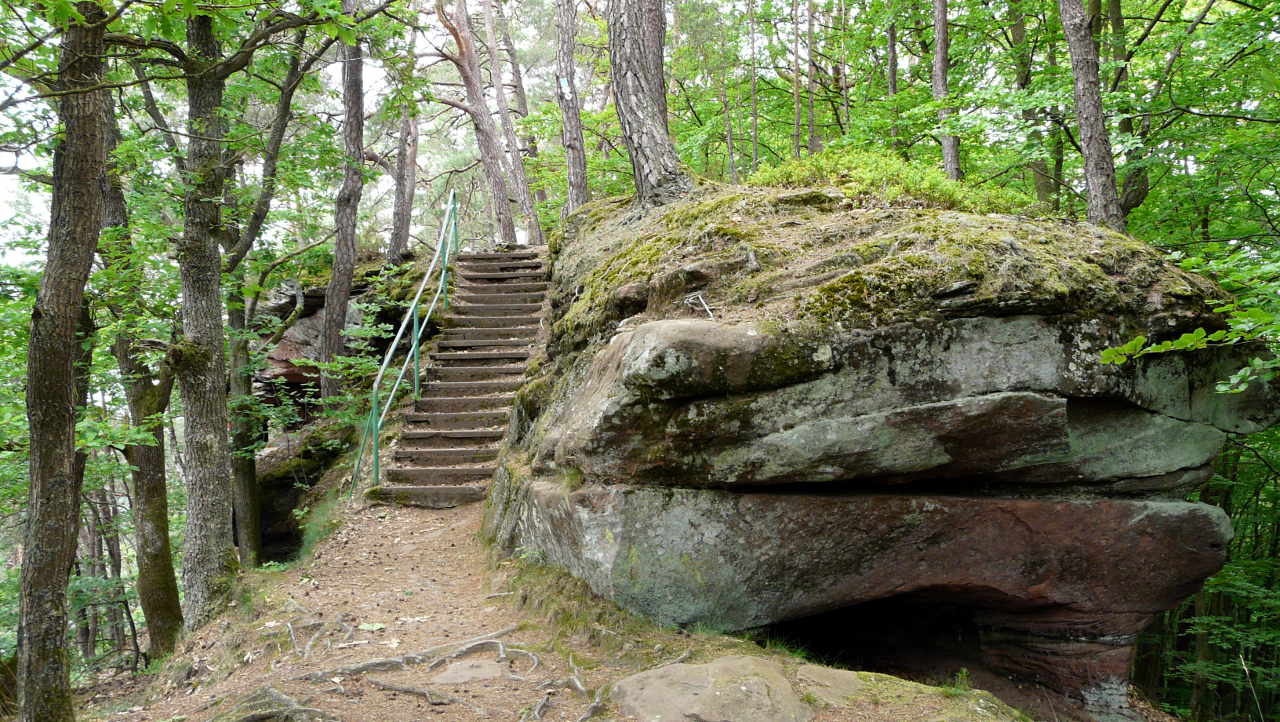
<point x="879" y="179"/>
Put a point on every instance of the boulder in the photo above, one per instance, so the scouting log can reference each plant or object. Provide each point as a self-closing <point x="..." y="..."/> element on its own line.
<point x="730" y="689"/>
<point x="1059" y="589"/>
<point x="890" y="407"/>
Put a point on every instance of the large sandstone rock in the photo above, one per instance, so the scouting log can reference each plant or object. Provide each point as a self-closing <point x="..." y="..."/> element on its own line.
<point x="888" y="404"/>
<point x="1022" y="399"/>
<point x="1060" y="588"/>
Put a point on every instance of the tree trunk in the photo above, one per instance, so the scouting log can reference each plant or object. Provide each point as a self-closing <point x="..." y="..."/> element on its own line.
<point x="533" y="228"/>
<point x="406" y="186"/>
<point x="636" y="35"/>
<point x="338" y="294"/>
<point x="811" y="85"/>
<point x="517" y="85"/>
<point x="891" y="61"/>
<point x="53" y="507"/>
<point x="727" y="113"/>
<point x="468" y="65"/>
<point x="209" y="560"/>
<point x="755" y="98"/>
<point x="1095" y="143"/>
<point x="570" y="109"/>
<point x="941" y="90"/>
<point x="147" y="395"/>
<point x="795" y="78"/>
<point x="1022" y="57"/>
<point x="246" y="496"/>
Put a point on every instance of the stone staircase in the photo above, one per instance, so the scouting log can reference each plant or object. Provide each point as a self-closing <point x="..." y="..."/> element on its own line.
<point x="446" y="450"/>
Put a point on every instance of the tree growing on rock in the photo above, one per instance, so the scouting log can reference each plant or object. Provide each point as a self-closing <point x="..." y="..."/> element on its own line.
<point x="636" y="35"/>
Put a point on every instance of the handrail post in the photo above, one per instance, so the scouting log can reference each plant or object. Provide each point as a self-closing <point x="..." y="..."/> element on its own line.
<point x="375" y="430"/>
<point x="417" y="361"/>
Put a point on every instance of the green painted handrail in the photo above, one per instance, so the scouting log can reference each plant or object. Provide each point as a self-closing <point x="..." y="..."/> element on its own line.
<point x="380" y="403"/>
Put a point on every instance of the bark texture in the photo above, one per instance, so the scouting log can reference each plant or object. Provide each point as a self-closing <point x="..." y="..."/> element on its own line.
<point x="406" y="185"/>
<point x="941" y="88"/>
<point x="636" y="34"/>
<point x="53" y="507"/>
<point x="209" y="559"/>
<point x="1095" y="142"/>
<point x="570" y="108"/>
<point x="338" y="295"/>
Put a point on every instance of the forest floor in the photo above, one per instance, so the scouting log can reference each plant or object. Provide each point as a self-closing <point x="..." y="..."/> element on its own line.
<point x="395" y="581"/>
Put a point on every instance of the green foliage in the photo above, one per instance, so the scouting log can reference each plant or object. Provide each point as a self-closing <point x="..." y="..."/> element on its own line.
<point x="876" y="179"/>
<point x="959" y="685"/>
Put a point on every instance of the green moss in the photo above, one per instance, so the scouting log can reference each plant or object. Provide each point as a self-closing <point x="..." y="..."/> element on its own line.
<point x="945" y="261"/>
<point x="877" y="179"/>
<point x="634" y="262"/>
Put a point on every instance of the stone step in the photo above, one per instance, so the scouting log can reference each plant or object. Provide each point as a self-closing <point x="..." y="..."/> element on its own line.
<point x="497" y="265"/>
<point x="467" y="357"/>
<point x="441" y="475"/>
<point x="473" y="373"/>
<point x="455" y="321"/>
<point x="495" y="309"/>
<point x="452" y="420"/>
<point x="499" y="275"/>
<point x="463" y="404"/>
<point x="498" y="256"/>
<point x="457" y="388"/>
<point x="451" y="334"/>
<point x="478" y="342"/>
<point x="508" y="287"/>
<point x="488" y="298"/>
<point x="444" y="457"/>
<point x="414" y="438"/>
<point x="430" y="497"/>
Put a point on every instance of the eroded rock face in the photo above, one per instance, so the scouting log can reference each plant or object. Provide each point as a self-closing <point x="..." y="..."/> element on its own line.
<point x="819" y="451"/>
<point x="1020" y="400"/>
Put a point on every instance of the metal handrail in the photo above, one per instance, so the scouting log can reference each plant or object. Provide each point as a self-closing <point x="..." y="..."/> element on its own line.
<point x="446" y="248"/>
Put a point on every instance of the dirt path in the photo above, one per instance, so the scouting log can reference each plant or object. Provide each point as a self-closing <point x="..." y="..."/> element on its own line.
<point x="391" y="581"/>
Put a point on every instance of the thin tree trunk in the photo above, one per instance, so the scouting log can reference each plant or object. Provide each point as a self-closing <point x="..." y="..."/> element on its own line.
<point x="636" y="35"/>
<point x="755" y="99"/>
<point x="209" y="558"/>
<point x="795" y="79"/>
<point x="941" y="90"/>
<point x="891" y="61"/>
<point x="53" y="507"/>
<point x="337" y="296"/>
<point x="468" y="65"/>
<point x="147" y="395"/>
<point x="811" y="85"/>
<point x="517" y="85"/>
<point x="406" y="186"/>
<point x="1022" y="58"/>
<point x="570" y="109"/>
<point x="533" y="228"/>
<point x="727" y="114"/>
<point x="1095" y="143"/>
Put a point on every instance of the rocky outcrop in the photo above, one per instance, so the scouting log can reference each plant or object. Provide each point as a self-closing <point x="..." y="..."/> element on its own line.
<point x="756" y="689"/>
<point x="913" y="410"/>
